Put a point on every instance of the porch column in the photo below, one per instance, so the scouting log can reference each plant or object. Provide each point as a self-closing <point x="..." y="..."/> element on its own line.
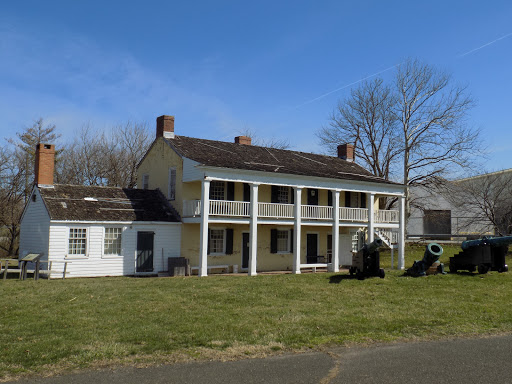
<point x="335" y="260"/>
<point x="253" y="235"/>
<point x="370" y="202"/>
<point x="297" y="230"/>
<point x="203" y="236"/>
<point x="401" y="234"/>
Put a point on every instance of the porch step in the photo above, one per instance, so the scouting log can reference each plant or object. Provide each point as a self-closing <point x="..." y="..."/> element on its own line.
<point x="163" y="274"/>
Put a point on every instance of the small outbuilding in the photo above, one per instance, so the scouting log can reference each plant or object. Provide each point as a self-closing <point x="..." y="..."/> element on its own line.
<point x="97" y="231"/>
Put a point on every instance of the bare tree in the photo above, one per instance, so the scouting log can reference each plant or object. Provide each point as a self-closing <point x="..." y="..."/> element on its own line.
<point x="365" y="119"/>
<point x="106" y="159"/>
<point x="16" y="179"/>
<point x="486" y="200"/>
<point x="25" y="149"/>
<point x="431" y="114"/>
<point x="12" y="188"/>
<point x="417" y="125"/>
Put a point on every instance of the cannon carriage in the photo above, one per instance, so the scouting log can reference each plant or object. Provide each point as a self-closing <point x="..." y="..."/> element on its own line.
<point x="366" y="261"/>
<point x="487" y="253"/>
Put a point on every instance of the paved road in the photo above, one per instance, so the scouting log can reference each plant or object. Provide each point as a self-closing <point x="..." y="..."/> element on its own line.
<point x="485" y="360"/>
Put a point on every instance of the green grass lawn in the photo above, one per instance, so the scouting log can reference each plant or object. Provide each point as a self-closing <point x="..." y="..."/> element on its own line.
<point x="49" y="326"/>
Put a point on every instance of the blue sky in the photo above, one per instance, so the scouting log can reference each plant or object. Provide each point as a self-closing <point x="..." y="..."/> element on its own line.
<point x="222" y="67"/>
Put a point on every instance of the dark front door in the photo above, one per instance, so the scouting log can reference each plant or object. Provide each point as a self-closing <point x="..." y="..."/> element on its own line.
<point x="312" y="247"/>
<point x="312" y="196"/>
<point x="245" y="250"/>
<point x="145" y="251"/>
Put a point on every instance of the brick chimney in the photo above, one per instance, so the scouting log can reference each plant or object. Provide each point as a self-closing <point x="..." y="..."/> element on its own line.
<point x="165" y="127"/>
<point x="244" y="140"/>
<point x="346" y="152"/>
<point x="45" y="164"/>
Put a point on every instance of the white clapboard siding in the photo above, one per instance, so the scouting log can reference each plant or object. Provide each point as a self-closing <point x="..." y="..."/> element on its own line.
<point x="166" y="242"/>
<point x="34" y="228"/>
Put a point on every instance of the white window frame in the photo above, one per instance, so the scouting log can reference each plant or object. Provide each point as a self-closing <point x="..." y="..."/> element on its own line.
<point x="114" y="255"/>
<point x="213" y="186"/>
<point x="77" y="255"/>
<point x="145" y="181"/>
<point x="288" y="240"/>
<point x="171" y="188"/>
<point x="223" y="230"/>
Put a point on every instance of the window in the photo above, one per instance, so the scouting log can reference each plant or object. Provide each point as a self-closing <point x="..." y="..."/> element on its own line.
<point x="217" y="190"/>
<point x="171" y="192"/>
<point x="77" y="241"/>
<point x="283" y="241"/>
<point x="112" y="242"/>
<point x="283" y="195"/>
<point x="145" y="181"/>
<point x="216" y="241"/>
<point x="437" y="222"/>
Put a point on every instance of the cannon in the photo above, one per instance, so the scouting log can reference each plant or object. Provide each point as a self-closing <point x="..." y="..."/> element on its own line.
<point x="430" y="260"/>
<point x="366" y="261"/>
<point x="487" y="253"/>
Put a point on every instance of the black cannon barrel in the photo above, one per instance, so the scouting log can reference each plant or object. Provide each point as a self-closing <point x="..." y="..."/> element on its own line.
<point x="492" y="241"/>
<point x="374" y="245"/>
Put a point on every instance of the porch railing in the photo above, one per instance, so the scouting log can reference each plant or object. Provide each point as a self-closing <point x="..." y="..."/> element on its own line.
<point x="318" y="212"/>
<point x="192" y="208"/>
<point x="353" y="214"/>
<point x="275" y="210"/>
<point x="386" y="216"/>
<point x="229" y="208"/>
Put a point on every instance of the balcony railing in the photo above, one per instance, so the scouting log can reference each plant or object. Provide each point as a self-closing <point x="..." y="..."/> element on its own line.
<point x="275" y="210"/>
<point x="192" y="208"/>
<point x="318" y="212"/>
<point x="386" y="216"/>
<point x="229" y="208"/>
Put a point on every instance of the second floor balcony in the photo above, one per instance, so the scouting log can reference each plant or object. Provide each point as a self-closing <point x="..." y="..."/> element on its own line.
<point x="192" y="208"/>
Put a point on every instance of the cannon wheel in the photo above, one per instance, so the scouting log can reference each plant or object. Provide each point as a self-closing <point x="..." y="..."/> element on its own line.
<point x="483" y="269"/>
<point x="382" y="274"/>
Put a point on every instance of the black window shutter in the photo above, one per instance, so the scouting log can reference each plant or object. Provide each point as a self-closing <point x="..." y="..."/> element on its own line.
<point x="247" y="192"/>
<point x="231" y="191"/>
<point x="273" y="194"/>
<point x="363" y="200"/>
<point x="273" y="241"/>
<point x="209" y="237"/>
<point x="347" y="199"/>
<point x="291" y="240"/>
<point x="329" y="199"/>
<point x="229" y="241"/>
<point x="292" y="195"/>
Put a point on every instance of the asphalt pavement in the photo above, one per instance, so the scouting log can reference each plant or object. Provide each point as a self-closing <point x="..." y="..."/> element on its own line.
<point x="481" y="360"/>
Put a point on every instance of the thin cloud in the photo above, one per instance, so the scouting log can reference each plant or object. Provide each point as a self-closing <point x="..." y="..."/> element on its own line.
<point x="485" y="45"/>
<point x="345" y="86"/>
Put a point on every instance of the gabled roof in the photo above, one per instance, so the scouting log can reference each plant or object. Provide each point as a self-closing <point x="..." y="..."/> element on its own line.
<point x="93" y="203"/>
<point x="251" y="157"/>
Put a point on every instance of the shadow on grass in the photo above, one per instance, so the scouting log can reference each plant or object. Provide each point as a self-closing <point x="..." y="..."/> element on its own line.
<point x="336" y="279"/>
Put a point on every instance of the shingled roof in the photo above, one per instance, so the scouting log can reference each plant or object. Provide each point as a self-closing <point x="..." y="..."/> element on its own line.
<point x="251" y="157"/>
<point x="93" y="203"/>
